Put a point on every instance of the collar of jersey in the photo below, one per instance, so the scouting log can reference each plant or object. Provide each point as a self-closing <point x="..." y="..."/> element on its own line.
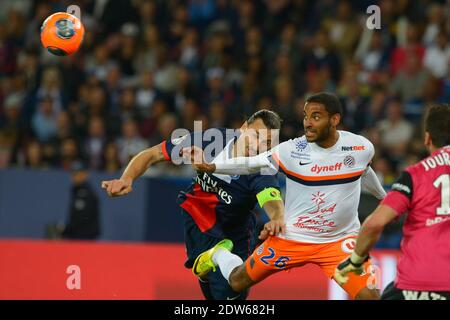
<point x="330" y="149"/>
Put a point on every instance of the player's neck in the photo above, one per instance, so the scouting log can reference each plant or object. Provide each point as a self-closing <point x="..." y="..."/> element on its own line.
<point x="235" y="148"/>
<point x="432" y="149"/>
<point x="330" y="141"/>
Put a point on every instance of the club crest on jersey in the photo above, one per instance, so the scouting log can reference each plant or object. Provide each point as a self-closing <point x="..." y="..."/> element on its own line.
<point x="301" y="144"/>
<point x="349" y="161"/>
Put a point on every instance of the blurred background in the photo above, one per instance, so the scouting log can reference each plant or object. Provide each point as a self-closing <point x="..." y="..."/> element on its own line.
<point x="148" y="67"/>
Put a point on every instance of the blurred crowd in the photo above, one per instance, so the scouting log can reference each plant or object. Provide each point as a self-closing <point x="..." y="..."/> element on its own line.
<point x="148" y="67"/>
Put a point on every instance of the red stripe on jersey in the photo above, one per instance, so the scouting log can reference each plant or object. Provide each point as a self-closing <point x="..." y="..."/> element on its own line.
<point x="202" y="207"/>
<point x="319" y="178"/>
<point x="164" y="150"/>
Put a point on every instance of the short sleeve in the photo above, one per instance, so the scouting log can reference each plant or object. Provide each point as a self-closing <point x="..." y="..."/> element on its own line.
<point x="400" y="196"/>
<point x="404" y="184"/>
<point x="370" y="151"/>
<point x="172" y="147"/>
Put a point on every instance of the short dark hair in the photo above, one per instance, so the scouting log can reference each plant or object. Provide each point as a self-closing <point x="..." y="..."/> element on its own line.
<point x="328" y="100"/>
<point x="270" y="118"/>
<point x="437" y="124"/>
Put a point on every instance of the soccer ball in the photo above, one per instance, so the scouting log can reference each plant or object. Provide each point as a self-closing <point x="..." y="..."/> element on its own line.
<point x="62" y="33"/>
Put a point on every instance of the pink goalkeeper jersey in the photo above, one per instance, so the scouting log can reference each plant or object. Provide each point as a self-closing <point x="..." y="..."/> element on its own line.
<point x="423" y="190"/>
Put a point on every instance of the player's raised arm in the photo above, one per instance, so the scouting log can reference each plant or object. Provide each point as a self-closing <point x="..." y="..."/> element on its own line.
<point x="135" y="168"/>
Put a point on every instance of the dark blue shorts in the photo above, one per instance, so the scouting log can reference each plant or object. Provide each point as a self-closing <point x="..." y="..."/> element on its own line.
<point x="215" y="286"/>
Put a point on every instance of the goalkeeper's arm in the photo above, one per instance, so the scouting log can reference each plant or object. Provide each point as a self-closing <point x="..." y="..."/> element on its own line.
<point x="369" y="234"/>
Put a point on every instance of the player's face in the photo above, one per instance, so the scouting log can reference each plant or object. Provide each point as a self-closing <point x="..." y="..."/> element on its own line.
<point x="255" y="138"/>
<point x="317" y="122"/>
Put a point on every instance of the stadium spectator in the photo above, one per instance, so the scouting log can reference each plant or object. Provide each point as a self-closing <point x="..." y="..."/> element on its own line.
<point x="44" y="121"/>
<point x="95" y="142"/>
<point x="395" y="131"/>
<point x="111" y="162"/>
<point x="411" y="47"/>
<point x="83" y="222"/>
<point x="437" y="56"/>
<point x="34" y="156"/>
<point x="343" y="29"/>
<point x="409" y="82"/>
<point x="131" y="143"/>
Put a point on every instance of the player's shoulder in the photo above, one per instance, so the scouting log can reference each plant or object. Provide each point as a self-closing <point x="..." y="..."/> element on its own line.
<point x="356" y="138"/>
<point x="299" y="143"/>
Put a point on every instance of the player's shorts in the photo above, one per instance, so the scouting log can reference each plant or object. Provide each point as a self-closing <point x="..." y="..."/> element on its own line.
<point x="277" y="254"/>
<point x="215" y="286"/>
<point x="393" y="293"/>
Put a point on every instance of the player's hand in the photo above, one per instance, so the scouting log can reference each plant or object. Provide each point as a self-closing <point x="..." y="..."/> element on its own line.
<point x="354" y="264"/>
<point x="272" y="228"/>
<point x="196" y="157"/>
<point x="118" y="187"/>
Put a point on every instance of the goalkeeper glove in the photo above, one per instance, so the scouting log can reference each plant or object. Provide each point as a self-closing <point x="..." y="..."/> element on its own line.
<point x="352" y="264"/>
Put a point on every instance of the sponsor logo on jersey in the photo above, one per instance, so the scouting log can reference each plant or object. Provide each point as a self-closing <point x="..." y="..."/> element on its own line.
<point x="260" y="249"/>
<point x="179" y="140"/>
<point x="353" y="148"/>
<point x="301" y="156"/>
<point x="422" y="295"/>
<point x="208" y="184"/>
<point x="319" y="169"/>
<point x="431" y="222"/>
<point x="401" y="187"/>
<point x="320" y="219"/>
<point x="349" y="161"/>
<point x="348" y="245"/>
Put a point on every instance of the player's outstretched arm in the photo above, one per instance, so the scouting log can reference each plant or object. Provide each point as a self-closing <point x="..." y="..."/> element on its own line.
<point x="372" y="228"/>
<point x="368" y="235"/>
<point x="135" y="168"/>
<point x="233" y="166"/>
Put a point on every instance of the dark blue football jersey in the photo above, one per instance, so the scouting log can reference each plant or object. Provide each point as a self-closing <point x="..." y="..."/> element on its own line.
<point x="221" y="205"/>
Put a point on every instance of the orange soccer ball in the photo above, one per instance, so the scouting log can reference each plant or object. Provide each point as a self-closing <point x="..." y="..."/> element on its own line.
<point x="62" y="33"/>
